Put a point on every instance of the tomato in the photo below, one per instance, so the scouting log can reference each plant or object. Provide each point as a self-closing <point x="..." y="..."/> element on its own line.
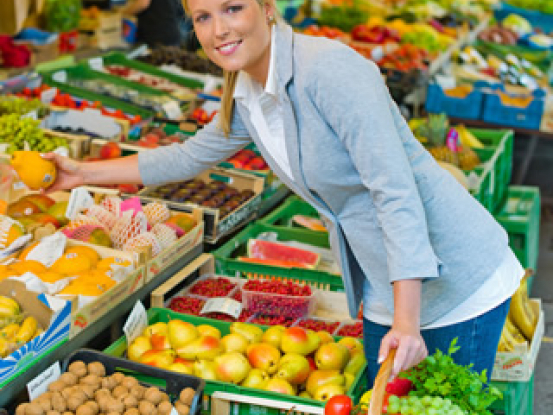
<point x="338" y="405"/>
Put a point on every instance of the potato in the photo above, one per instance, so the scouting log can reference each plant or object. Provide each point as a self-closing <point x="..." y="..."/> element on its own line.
<point x="88" y="390"/>
<point x="45" y="403"/>
<point x="96" y="368"/>
<point x="21" y="409"/>
<point x="182" y="408"/>
<point x="118" y="377"/>
<point x="146" y="408"/>
<point x="84" y="410"/>
<point x="78" y="368"/>
<point x="94" y="406"/>
<point x="34" y="408"/>
<point x="115" y="405"/>
<point x="130" y="401"/>
<point x="74" y="402"/>
<point x="153" y="395"/>
<point x="164" y="408"/>
<point x="69" y="378"/>
<point x="119" y="390"/>
<point x="90" y="380"/>
<point x="57" y="386"/>
<point x="132" y="411"/>
<point x="58" y="402"/>
<point x="53" y="413"/>
<point x="129" y="382"/>
<point x="187" y="395"/>
<point x="108" y="383"/>
<point x="138" y="391"/>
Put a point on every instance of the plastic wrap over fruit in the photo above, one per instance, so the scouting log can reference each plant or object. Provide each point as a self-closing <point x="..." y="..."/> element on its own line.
<point x="127" y="227"/>
<point x="146" y="239"/>
<point x="164" y="234"/>
<point x="156" y="213"/>
<point x="102" y="215"/>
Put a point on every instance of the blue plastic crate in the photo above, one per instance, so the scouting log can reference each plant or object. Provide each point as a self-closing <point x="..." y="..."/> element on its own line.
<point x="495" y="112"/>
<point x="537" y="19"/>
<point x="469" y="107"/>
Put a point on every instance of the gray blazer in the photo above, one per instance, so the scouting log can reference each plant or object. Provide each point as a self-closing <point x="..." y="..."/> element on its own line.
<point x="391" y="211"/>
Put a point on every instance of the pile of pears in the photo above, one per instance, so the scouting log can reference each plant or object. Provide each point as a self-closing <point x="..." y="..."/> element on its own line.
<point x="291" y="361"/>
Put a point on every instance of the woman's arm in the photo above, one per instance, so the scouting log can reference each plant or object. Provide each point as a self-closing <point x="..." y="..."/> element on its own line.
<point x="405" y="333"/>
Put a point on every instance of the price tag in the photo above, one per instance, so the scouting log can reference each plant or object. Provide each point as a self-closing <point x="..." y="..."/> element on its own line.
<point x="39" y="385"/>
<point x="48" y="95"/>
<point x="79" y="200"/>
<point x="96" y="63"/>
<point x="136" y="323"/>
<point x="222" y="305"/>
<point x="60" y="76"/>
<point x="172" y="110"/>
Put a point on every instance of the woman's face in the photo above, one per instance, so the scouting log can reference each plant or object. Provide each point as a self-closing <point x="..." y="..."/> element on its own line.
<point x="234" y="34"/>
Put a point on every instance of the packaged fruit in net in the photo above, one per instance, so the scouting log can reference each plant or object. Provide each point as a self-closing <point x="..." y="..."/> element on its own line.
<point x="271" y="297"/>
<point x="165" y="235"/>
<point x="127" y="227"/>
<point x="141" y="241"/>
<point x="156" y="213"/>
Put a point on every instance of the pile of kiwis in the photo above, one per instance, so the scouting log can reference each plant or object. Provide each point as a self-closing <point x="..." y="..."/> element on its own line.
<point x="86" y="390"/>
<point x="215" y="194"/>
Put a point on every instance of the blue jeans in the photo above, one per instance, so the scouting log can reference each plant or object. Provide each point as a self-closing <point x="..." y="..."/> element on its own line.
<point x="478" y="339"/>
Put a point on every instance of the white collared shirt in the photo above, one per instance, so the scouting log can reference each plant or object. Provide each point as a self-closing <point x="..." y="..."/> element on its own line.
<point x="265" y="110"/>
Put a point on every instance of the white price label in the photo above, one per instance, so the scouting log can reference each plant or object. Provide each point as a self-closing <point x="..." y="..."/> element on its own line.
<point x="79" y="200"/>
<point x="96" y="63"/>
<point x="39" y="385"/>
<point x="222" y="305"/>
<point x="48" y="95"/>
<point x="60" y="76"/>
<point x="172" y="110"/>
<point x="136" y="323"/>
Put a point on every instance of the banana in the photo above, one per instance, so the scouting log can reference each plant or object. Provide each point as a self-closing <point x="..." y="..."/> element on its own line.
<point x="9" y="332"/>
<point x="467" y="138"/>
<point x="505" y="343"/>
<point x="517" y="336"/>
<point x="27" y="330"/>
<point x="520" y="316"/>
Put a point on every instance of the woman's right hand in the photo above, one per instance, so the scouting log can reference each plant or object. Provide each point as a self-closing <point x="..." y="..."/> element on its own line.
<point x="70" y="173"/>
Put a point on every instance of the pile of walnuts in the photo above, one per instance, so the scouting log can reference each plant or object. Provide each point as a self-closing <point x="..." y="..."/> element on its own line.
<point x="86" y="390"/>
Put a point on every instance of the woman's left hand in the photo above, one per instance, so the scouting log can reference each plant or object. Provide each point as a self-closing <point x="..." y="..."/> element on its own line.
<point x="411" y="349"/>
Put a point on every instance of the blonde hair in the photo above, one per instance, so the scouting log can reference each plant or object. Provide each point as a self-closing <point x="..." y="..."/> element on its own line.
<point x="230" y="77"/>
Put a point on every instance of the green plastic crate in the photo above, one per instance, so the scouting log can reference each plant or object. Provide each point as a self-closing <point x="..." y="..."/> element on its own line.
<point x="155" y="315"/>
<point x="518" y="398"/>
<point x="117" y="58"/>
<point x="494" y="174"/>
<point x="227" y="264"/>
<point x="520" y="216"/>
<point x="282" y="216"/>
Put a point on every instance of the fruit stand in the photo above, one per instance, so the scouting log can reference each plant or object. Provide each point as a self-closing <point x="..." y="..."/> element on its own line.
<point x="242" y="305"/>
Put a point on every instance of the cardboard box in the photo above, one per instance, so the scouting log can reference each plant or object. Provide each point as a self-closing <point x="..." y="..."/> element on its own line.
<point x="181" y="246"/>
<point x="518" y="366"/>
<point x="54" y="322"/>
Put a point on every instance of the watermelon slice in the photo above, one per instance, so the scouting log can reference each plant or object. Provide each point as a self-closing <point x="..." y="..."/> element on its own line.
<point x="261" y="249"/>
<point x="309" y="222"/>
<point x="274" y="262"/>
